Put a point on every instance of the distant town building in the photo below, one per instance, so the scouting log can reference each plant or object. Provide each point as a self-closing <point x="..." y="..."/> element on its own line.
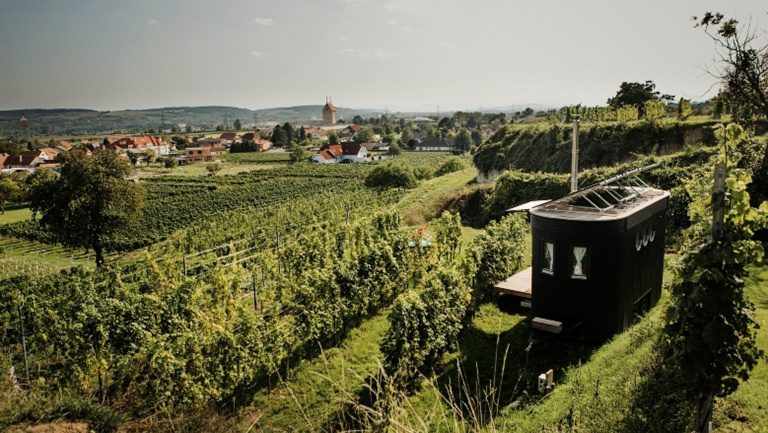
<point x="329" y="112"/>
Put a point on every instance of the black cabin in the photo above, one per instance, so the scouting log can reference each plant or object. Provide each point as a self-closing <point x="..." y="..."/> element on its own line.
<point x="598" y="259"/>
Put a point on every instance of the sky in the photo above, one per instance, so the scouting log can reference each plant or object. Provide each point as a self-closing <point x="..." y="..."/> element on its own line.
<point x="395" y="55"/>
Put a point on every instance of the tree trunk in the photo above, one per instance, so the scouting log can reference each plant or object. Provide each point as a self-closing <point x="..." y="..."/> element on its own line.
<point x="99" y="251"/>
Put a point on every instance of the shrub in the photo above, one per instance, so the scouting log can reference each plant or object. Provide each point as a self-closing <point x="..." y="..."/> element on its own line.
<point x="451" y="164"/>
<point x="391" y="175"/>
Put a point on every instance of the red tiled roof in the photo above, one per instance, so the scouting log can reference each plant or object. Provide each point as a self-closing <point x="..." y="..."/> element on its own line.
<point x="335" y="149"/>
<point x="328" y="106"/>
<point x="228" y="136"/>
<point x="350" y="148"/>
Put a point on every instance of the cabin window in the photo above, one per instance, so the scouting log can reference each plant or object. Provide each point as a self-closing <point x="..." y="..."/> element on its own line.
<point x="548" y="258"/>
<point x="579" y="261"/>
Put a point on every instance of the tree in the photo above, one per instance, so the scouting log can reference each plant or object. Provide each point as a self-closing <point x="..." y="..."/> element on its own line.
<point x="213" y="167"/>
<point x="394" y="149"/>
<point x="238" y="125"/>
<point x="741" y="66"/>
<point x="406" y="136"/>
<point x="175" y="129"/>
<point x="364" y="135"/>
<point x="477" y="137"/>
<point x="289" y="135"/>
<point x="358" y="120"/>
<point x="279" y="139"/>
<point x="636" y="94"/>
<point x="149" y="156"/>
<point x="684" y="109"/>
<point x="299" y="154"/>
<point x="90" y="203"/>
<point x="188" y="129"/>
<point x="463" y="140"/>
<point x="333" y="137"/>
<point x="8" y="191"/>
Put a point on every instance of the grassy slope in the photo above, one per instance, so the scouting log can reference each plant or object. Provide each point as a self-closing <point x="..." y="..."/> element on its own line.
<point x="619" y="386"/>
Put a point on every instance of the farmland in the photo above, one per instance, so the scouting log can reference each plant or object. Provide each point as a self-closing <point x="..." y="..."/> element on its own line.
<point x="280" y="299"/>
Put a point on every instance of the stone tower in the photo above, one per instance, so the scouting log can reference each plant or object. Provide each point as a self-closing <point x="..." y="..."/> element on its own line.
<point x="329" y="112"/>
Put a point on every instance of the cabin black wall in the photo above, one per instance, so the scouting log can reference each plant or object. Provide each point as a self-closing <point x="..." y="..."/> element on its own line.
<point x="618" y="274"/>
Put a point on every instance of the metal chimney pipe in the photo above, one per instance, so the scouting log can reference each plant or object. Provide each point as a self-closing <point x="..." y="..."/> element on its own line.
<point x="575" y="156"/>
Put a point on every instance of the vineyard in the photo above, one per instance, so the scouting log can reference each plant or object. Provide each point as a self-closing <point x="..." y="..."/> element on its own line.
<point x="234" y="284"/>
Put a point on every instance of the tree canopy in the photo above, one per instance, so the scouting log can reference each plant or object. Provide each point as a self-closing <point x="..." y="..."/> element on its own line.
<point x="741" y="64"/>
<point x="637" y="94"/>
<point x="90" y="203"/>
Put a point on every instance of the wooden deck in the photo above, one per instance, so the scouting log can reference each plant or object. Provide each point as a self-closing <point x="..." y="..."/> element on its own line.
<point x="517" y="285"/>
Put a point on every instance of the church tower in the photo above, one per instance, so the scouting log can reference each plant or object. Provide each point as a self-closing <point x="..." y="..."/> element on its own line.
<point x="329" y="112"/>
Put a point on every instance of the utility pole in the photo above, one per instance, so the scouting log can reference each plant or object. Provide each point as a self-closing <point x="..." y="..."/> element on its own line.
<point x="575" y="156"/>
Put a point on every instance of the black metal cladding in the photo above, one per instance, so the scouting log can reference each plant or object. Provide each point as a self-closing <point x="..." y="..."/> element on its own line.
<point x="624" y="263"/>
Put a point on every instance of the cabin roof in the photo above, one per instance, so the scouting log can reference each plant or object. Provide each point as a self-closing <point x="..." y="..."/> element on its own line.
<point x="609" y="202"/>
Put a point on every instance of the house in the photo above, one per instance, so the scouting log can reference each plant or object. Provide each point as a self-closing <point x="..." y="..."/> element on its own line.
<point x="63" y="146"/>
<point x="28" y="159"/>
<point x="329" y="113"/>
<point x="249" y="137"/>
<point x="263" y="144"/>
<point x="324" y="157"/>
<point x="140" y="144"/>
<point x="341" y="153"/>
<point x="209" y="142"/>
<point x="315" y="133"/>
<point x="348" y="133"/>
<point x="228" y="138"/>
<point x="435" y="144"/>
<point x="194" y="155"/>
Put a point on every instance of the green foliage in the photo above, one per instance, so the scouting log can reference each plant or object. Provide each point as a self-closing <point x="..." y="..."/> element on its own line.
<point x="710" y="331"/>
<point x="90" y="203"/>
<point x="743" y="61"/>
<point x="653" y="110"/>
<point x="391" y="175"/>
<point x="448" y="233"/>
<point x="463" y="140"/>
<point x="684" y="109"/>
<point x="450" y="165"/>
<point x="213" y="167"/>
<point x="627" y="114"/>
<point x="424" y="325"/>
<point x="495" y="255"/>
<point x="299" y="153"/>
<point x="364" y="135"/>
<point x="548" y="149"/>
<point x="636" y="94"/>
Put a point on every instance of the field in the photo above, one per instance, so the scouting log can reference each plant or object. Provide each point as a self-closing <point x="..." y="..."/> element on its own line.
<point x="293" y="297"/>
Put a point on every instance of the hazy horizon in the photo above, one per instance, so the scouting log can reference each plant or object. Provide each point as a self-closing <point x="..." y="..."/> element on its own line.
<point x="393" y="55"/>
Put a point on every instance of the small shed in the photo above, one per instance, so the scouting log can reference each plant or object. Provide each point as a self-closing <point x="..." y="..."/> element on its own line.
<point x="598" y="257"/>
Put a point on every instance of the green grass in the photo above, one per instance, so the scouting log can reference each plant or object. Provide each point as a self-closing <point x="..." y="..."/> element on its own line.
<point x="746" y="410"/>
<point x="14" y="215"/>
<point x="19" y="257"/>
<point x="317" y="389"/>
<point x="427" y="200"/>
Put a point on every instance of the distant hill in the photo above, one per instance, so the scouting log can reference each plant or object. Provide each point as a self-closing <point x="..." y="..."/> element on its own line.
<point x="83" y="121"/>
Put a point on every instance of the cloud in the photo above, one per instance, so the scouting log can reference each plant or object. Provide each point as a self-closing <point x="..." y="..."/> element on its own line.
<point x="256" y="53"/>
<point x="262" y="21"/>
<point x="392" y="22"/>
<point x="347" y="51"/>
<point x="153" y="22"/>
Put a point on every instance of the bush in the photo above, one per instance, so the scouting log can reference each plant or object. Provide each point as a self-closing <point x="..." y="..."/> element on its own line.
<point x="451" y="164"/>
<point x="391" y="175"/>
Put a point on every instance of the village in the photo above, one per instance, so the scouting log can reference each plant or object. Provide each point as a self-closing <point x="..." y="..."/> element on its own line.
<point x="328" y="143"/>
